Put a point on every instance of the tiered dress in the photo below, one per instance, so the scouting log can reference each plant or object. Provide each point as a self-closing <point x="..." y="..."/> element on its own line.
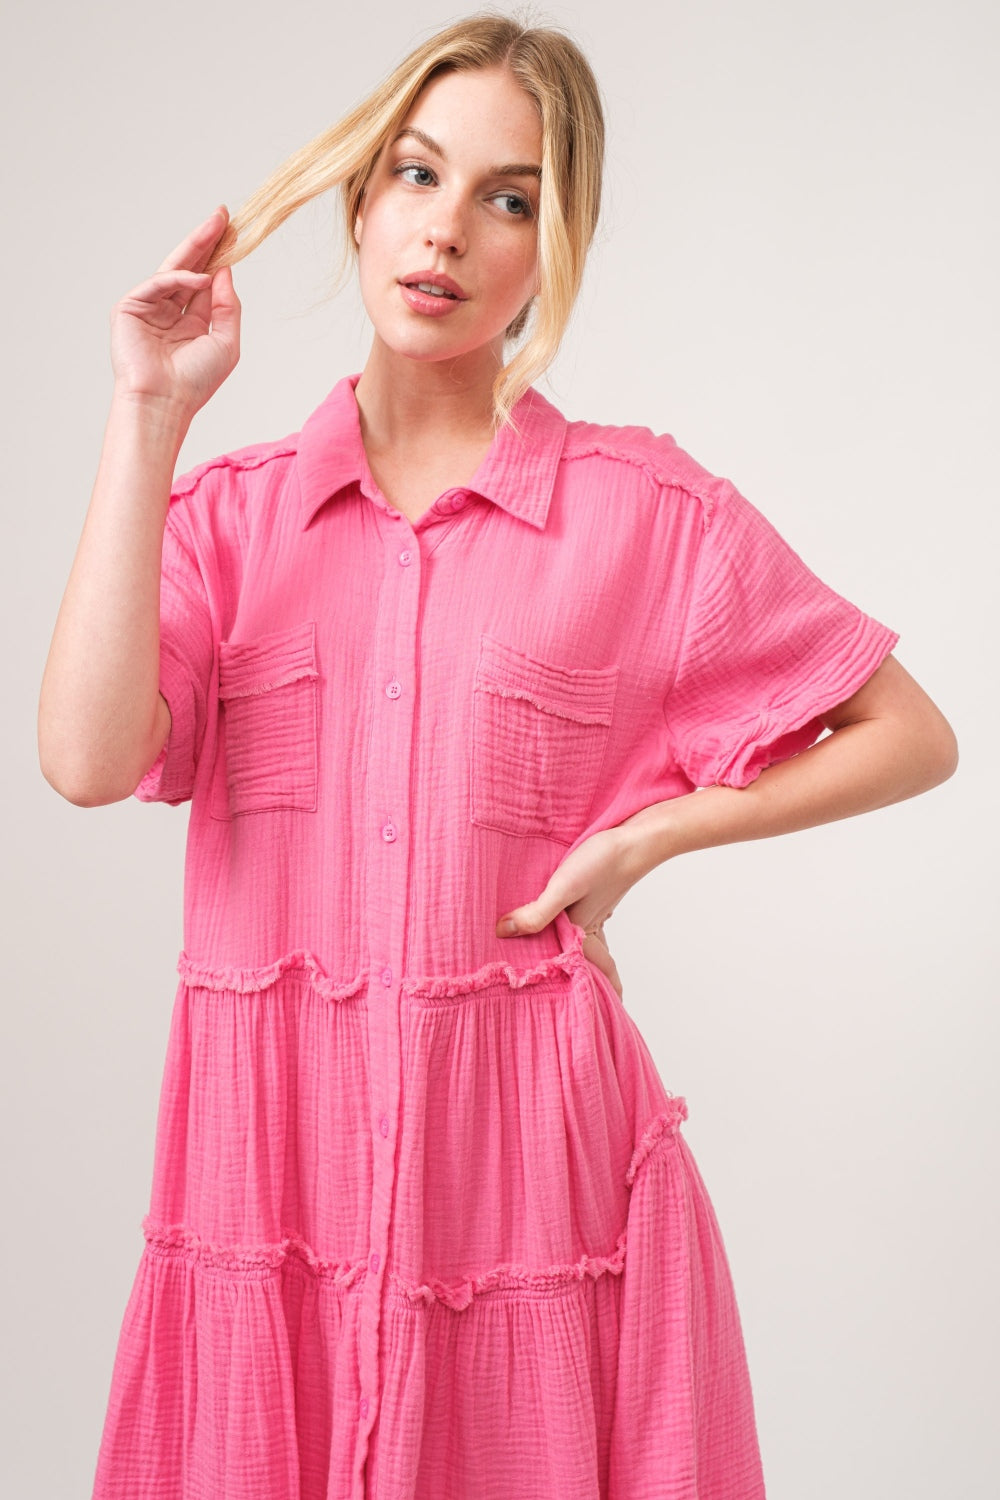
<point x="423" y="1223"/>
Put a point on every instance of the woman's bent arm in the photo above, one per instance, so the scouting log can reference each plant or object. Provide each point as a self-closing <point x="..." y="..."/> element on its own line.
<point x="101" y="719"/>
<point x="889" y="742"/>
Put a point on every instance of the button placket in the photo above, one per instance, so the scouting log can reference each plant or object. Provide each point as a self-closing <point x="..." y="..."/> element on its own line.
<point x="388" y="814"/>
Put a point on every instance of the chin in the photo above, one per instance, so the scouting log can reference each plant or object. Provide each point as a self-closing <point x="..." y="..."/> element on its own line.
<point x="422" y="351"/>
<point x="428" y="346"/>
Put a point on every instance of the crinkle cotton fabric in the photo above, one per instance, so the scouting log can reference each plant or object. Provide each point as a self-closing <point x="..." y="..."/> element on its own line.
<point x="423" y="1223"/>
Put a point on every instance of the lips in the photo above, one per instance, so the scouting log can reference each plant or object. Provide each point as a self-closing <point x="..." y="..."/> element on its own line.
<point x="451" y="288"/>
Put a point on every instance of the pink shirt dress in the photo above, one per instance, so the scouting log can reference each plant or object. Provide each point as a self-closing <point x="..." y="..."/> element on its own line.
<point x="423" y="1223"/>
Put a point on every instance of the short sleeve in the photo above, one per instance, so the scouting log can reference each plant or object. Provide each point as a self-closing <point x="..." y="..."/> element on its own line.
<point x="186" y="655"/>
<point x="768" y="648"/>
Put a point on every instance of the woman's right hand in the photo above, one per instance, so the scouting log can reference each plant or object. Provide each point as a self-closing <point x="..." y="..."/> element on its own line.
<point x="175" y="337"/>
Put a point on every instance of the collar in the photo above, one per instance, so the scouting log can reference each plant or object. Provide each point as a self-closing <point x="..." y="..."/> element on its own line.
<point x="518" y="472"/>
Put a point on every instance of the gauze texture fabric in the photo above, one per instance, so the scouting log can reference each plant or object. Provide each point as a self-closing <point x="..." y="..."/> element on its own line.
<point x="423" y="1223"/>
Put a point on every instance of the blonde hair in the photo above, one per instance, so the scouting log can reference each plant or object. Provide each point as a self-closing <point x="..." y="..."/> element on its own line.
<point x="555" y="74"/>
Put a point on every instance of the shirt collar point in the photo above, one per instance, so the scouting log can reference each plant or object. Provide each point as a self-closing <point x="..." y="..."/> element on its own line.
<point x="518" y="473"/>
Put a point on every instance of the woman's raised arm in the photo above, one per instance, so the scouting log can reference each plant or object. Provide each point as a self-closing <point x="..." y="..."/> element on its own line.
<point x="101" y="717"/>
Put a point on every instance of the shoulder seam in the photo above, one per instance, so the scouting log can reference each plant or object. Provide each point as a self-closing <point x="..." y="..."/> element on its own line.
<point x="192" y="477"/>
<point x="660" y="477"/>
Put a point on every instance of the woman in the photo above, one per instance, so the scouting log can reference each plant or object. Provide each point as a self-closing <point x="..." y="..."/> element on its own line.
<point x="440" y="674"/>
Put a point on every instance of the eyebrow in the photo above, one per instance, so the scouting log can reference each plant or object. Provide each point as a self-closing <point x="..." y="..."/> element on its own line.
<point x="508" y="169"/>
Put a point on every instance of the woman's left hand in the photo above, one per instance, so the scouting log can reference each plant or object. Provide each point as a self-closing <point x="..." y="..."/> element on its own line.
<point x="587" y="885"/>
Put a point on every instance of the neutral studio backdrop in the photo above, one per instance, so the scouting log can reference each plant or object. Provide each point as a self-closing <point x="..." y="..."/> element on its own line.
<point x="796" y="277"/>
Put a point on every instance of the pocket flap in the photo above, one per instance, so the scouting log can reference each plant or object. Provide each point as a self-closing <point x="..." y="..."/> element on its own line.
<point x="268" y="661"/>
<point x="585" y="694"/>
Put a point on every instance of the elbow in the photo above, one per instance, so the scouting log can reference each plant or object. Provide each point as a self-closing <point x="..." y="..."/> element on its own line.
<point x="59" y="775"/>
<point x="935" y="751"/>
<point x="84" y="771"/>
<point x="926" y="743"/>
<point x="77" y="783"/>
<point x="77" y="789"/>
<point x="945" y="753"/>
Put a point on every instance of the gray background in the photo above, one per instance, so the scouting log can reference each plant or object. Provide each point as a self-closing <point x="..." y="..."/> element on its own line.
<point x="796" y="276"/>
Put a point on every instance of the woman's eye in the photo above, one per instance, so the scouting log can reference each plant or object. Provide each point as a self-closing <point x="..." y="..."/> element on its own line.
<point x="518" y="207"/>
<point x="428" y="175"/>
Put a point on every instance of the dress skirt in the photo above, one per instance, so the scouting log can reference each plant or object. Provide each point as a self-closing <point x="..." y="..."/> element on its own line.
<point x="550" y="1315"/>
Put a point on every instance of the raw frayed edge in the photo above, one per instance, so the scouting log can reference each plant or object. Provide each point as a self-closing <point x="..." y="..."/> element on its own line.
<point x="494" y="973"/>
<point x="247" y="981"/>
<point x="516" y="1278"/>
<point x="544" y="704"/>
<point x="178" y="1240"/>
<point x="665" y="1124"/>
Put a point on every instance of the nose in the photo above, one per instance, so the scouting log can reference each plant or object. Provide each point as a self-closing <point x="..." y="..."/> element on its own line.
<point x="445" y="229"/>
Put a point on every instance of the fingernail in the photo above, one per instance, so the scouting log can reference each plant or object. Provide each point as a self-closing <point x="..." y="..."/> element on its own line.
<point x="508" y="926"/>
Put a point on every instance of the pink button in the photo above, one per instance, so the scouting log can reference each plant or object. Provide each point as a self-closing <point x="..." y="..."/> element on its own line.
<point x="388" y="832"/>
<point x="383" y="1124"/>
<point x="457" y="501"/>
<point x="405" y="557"/>
<point x="386" y="975"/>
<point x="393" y="688"/>
<point x="374" y="1263"/>
<point x="364" y="1406"/>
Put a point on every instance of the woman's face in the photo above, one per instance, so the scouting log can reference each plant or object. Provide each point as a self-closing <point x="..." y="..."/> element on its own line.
<point x="453" y="201"/>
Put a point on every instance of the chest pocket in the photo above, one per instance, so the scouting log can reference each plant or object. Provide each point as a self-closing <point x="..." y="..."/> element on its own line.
<point x="539" y="734"/>
<point x="268" y="723"/>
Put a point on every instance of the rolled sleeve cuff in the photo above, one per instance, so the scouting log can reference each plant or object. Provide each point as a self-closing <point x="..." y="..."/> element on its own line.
<point x="785" y="729"/>
<point x="171" y="776"/>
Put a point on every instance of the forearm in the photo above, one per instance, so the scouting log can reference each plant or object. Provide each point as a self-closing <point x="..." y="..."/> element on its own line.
<point x="98" y="704"/>
<point x="866" y="763"/>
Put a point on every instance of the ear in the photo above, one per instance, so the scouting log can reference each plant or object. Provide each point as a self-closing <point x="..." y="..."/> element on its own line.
<point x="357" y="229"/>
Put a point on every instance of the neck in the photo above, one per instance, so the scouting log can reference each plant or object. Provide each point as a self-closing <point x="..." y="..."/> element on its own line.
<point x="424" y="405"/>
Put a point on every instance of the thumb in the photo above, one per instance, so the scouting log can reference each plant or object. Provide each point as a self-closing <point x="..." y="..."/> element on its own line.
<point x="531" y="917"/>
<point x="226" y="306"/>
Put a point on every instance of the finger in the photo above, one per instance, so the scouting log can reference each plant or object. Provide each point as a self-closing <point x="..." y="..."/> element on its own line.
<point x="168" y="283"/>
<point x="194" y="250"/>
<point x="200" y="305"/>
<point x="216" y="302"/>
<point x="151" y="297"/>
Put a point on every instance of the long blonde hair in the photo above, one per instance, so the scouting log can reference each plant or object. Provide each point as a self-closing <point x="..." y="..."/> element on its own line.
<point x="555" y="74"/>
